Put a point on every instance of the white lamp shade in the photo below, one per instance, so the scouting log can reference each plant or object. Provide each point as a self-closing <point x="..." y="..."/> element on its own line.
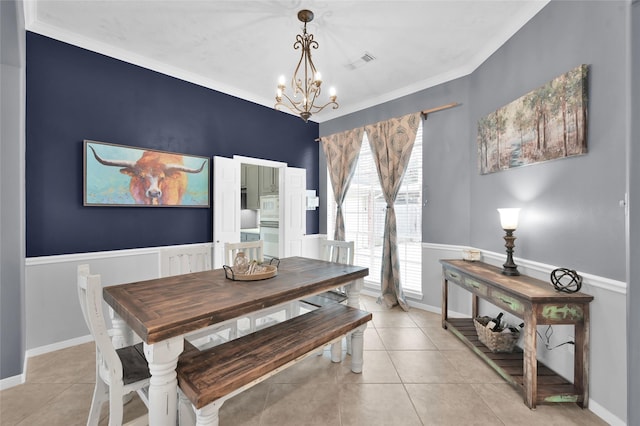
<point x="509" y="218"/>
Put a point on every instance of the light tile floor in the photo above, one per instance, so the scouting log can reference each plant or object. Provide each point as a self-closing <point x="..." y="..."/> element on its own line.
<point x="415" y="373"/>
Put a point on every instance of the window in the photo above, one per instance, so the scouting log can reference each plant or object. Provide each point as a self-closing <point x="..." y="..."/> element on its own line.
<point x="364" y="211"/>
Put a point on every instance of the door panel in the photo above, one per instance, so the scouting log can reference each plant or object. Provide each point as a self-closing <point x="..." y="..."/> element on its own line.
<point x="226" y="206"/>
<point x="294" y="221"/>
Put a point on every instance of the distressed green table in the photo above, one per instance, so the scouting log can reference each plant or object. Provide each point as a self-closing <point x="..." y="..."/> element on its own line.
<point x="537" y="303"/>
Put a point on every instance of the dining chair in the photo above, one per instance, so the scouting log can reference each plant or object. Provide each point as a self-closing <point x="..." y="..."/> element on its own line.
<point x="338" y="252"/>
<point x="185" y="260"/>
<point x="254" y="250"/>
<point x="118" y="371"/>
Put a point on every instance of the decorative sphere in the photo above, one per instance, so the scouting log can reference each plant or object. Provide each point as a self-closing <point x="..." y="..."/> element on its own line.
<point x="566" y="280"/>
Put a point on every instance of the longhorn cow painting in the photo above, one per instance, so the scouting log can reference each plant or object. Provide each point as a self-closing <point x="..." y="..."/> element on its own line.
<point x="117" y="175"/>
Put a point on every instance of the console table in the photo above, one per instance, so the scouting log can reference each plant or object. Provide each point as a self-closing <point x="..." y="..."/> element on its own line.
<point x="536" y="302"/>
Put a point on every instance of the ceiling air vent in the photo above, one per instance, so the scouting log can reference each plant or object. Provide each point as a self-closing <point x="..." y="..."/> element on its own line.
<point x="361" y="61"/>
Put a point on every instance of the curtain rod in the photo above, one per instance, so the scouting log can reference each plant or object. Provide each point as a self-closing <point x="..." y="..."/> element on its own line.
<point x="426" y="112"/>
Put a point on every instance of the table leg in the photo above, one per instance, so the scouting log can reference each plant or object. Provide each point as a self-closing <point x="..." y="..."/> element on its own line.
<point x="353" y="292"/>
<point x="357" y="349"/>
<point x="445" y="297"/>
<point x="474" y="306"/>
<point x="163" y="386"/>
<point x="353" y="299"/>
<point x="581" y="358"/>
<point x="530" y="361"/>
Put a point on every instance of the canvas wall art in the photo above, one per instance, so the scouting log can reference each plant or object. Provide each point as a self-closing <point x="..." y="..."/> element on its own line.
<point x="118" y="175"/>
<point x="545" y="124"/>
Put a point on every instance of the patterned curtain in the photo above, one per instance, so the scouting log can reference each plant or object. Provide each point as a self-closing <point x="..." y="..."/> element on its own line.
<point x="391" y="144"/>
<point x="341" y="150"/>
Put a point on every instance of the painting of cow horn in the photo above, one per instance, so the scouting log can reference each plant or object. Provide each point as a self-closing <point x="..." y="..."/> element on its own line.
<point x="118" y="175"/>
<point x="181" y="168"/>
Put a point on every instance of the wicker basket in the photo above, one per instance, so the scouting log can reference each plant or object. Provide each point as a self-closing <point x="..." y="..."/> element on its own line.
<point x="496" y="342"/>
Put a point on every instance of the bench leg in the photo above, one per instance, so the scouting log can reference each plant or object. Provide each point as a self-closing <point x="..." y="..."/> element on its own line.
<point x="336" y="351"/>
<point x="357" y="349"/>
<point x="208" y="415"/>
<point x="186" y="415"/>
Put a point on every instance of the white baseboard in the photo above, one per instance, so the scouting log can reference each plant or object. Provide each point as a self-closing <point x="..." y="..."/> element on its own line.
<point x="10" y="382"/>
<point x="57" y="346"/>
<point x="605" y="414"/>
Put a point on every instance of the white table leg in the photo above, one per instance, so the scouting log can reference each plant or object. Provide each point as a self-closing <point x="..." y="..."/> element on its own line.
<point x="353" y="292"/>
<point x="353" y="299"/>
<point x="336" y="351"/>
<point x="163" y="385"/>
<point x="357" y="349"/>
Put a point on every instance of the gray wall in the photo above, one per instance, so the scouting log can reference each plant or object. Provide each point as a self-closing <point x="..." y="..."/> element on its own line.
<point x="571" y="215"/>
<point x="11" y="185"/>
<point x="633" y="295"/>
<point x="445" y="156"/>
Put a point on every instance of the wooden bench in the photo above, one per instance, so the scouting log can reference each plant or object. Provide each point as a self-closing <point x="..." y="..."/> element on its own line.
<point x="209" y="377"/>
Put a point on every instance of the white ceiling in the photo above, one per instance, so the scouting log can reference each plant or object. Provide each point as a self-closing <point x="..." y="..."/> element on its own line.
<point x="242" y="47"/>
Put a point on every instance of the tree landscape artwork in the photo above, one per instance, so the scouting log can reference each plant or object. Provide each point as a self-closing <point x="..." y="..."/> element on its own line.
<point x="545" y="124"/>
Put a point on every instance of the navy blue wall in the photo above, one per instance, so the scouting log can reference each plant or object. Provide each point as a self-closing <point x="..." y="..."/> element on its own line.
<point x="74" y="94"/>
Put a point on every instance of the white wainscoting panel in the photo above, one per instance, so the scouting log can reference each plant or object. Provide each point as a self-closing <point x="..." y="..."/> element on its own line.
<point x="51" y="300"/>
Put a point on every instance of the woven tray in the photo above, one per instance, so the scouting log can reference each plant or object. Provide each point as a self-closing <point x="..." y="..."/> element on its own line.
<point x="496" y="342"/>
<point x="270" y="271"/>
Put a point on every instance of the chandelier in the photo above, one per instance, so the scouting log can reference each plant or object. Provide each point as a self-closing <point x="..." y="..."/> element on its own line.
<point x="306" y="80"/>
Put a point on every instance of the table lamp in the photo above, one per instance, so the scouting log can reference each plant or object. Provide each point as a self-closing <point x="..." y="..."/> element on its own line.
<point x="509" y="222"/>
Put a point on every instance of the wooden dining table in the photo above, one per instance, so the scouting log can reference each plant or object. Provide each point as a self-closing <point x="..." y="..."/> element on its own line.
<point x="163" y="311"/>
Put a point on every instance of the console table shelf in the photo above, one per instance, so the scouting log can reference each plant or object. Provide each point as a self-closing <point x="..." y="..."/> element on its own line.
<point x="551" y="386"/>
<point x="537" y="303"/>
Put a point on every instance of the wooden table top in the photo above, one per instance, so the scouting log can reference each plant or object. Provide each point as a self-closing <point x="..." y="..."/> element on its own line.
<point x="167" y="307"/>
<point x="521" y="286"/>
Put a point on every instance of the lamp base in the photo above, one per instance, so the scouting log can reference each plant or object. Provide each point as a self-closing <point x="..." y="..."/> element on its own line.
<point x="511" y="271"/>
<point x="510" y="268"/>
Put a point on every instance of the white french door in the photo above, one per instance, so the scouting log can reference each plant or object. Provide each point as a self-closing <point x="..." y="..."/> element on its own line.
<point x="295" y="214"/>
<point x="226" y="206"/>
